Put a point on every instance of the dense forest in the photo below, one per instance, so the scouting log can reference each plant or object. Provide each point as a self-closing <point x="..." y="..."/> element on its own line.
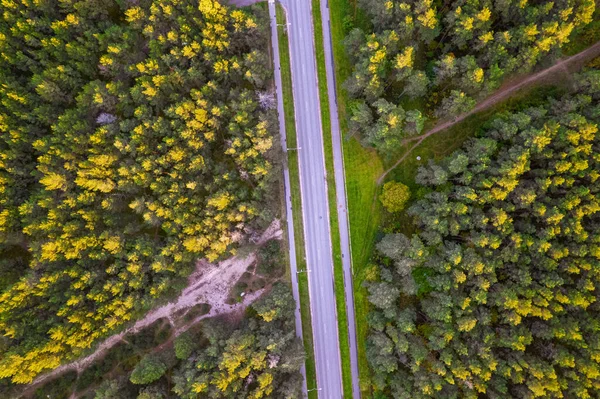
<point x="497" y="293"/>
<point x="132" y="142"/>
<point x="428" y="59"/>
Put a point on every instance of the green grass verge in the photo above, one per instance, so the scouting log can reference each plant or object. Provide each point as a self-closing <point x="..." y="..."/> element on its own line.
<point x="363" y="167"/>
<point x="338" y="271"/>
<point x="290" y="127"/>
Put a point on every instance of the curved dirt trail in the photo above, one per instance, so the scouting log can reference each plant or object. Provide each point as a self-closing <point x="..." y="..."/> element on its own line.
<point x="209" y="283"/>
<point x="502" y="94"/>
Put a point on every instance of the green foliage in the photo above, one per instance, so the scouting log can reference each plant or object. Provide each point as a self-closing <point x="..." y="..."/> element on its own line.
<point x="131" y="143"/>
<point x="270" y="262"/>
<point x="445" y="56"/>
<point x="108" y="389"/>
<point x="114" y="388"/>
<point x="151" y="393"/>
<point x="150" y="336"/>
<point x="59" y="389"/>
<point x="496" y="294"/>
<point x="185" y="344"/>
<point x="279" y="304"/>
<point x="148" y="370"/>
<point x="394" y="196"/>
<point x="260" y="359"/>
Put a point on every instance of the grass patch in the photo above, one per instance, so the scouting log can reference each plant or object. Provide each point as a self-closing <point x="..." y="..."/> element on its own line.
<point x="363" y="167"/>
<point x="290" y="127"/>
<point x="338" y="271"/>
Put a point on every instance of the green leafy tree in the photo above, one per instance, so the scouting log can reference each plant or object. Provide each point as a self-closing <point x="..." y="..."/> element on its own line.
<point x="110" y="389"/>
<point x="152" y="393"/>
<point x="148" y="370"/>
<point x="184" y="345"/>
<point x="394" y="196"/>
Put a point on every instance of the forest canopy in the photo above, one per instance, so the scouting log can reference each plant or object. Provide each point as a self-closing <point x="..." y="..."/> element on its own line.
<point x="497" y="294"/>
<point x="251" y="355"/>
<point x="424" y="59"/>
<point x="260" y="359"/>
<point x="132" y="142"/>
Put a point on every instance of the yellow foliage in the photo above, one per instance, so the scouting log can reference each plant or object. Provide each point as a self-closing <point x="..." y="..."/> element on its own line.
<point x="199" y="387"/>
<point x="531" y="31"/>
<point x="220" y="201"/>
<point x="484" y="15"/>
<point x="134" y="14"/>
<point x="195" y="244"/>
<point x="113" y="244"/>
<point x="467" y="23"/>
<point x="428" y="19"/>
<point x="406" y="58"/>
<point x="54" y="181"/>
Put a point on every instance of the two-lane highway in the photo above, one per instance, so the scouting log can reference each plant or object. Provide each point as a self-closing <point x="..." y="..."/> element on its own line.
<point x="315" y="207"/>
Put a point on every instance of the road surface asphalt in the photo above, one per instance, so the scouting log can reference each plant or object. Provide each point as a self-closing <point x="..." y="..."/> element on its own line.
<point x="286" y="180"/>
<point x="315" y="207"/>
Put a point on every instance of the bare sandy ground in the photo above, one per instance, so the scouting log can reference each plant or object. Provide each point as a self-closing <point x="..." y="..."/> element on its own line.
<point x="209" y="284"/>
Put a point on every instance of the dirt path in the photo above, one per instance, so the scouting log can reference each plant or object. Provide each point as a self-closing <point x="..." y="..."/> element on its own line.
<point x="209" y="283"/>
<point x="501" y="95"/>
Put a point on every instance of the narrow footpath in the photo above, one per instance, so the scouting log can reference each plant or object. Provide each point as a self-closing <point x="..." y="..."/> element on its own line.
<point x="210" y="284"/>
<point x="504" y="93"/>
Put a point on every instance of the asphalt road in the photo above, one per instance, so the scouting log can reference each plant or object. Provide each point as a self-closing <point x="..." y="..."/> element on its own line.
<point x="286" y="180"/>
<point x="315" y="208"/>
<point x="341" y="201"/>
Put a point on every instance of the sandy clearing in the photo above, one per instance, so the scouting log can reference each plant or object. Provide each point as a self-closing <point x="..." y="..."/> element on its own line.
<point x="209" y="283"/>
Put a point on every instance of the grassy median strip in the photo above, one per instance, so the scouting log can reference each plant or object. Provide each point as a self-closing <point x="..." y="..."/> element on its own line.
<point x="338" y="270"/>
<point x="290" y="127"/>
